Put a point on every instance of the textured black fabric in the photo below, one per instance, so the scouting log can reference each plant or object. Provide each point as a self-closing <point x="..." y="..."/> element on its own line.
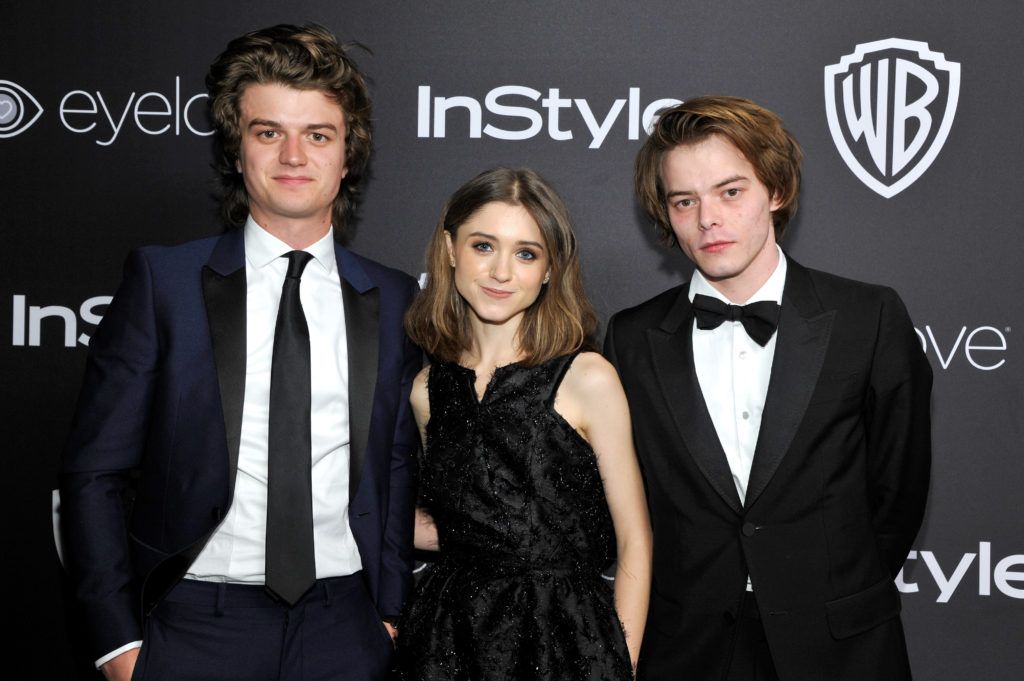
<point x="290" y="563"/>
<point x="525" y="532"/>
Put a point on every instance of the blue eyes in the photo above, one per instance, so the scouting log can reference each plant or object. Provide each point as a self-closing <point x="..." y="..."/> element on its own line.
<point x="523" y="254"/>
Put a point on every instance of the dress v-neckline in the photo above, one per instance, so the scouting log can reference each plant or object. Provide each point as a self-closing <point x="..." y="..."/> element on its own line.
<point x="478" y="398"/>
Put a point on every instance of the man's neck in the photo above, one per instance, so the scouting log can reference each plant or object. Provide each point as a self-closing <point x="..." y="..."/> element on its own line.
<point x="298" y="234"/>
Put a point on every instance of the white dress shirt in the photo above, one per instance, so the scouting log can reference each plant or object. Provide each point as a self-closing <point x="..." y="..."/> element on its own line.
<point x="733" y="372"/>
<point x="236" y="551"/>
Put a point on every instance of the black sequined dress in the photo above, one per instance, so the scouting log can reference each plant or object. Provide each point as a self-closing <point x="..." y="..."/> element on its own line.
<point x="525" y="532"/>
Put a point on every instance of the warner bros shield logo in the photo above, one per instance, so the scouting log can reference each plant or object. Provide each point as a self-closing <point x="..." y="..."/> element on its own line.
<point x="890" y="105"/>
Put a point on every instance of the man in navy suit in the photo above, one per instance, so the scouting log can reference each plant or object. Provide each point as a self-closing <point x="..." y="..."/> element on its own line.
<point x="172" y="467"/>
<point x="781" y="416"/>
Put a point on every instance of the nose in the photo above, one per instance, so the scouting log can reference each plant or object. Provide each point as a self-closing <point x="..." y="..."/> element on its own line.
<point x="501" y="268"/>
<point x="292" y="153"/>
<point x="709" y="215"/>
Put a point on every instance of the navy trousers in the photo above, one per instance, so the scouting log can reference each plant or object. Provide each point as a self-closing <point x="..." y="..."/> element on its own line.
<point x="226" y="632"/>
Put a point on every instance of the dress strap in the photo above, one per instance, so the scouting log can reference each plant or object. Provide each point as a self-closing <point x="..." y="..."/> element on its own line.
<point x="559" y="368"/>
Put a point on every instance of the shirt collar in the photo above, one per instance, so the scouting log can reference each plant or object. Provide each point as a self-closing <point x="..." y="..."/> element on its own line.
<point x="770" y="290"/>
<point x="263" y="248"/>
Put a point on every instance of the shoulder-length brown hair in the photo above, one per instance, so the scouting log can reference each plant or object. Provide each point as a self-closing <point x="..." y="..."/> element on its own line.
<point x="757" y="132"/>
<point x="559" y="322"/>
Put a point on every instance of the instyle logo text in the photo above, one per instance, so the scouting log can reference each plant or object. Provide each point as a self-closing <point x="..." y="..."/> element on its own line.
<point x="512" y="114"/>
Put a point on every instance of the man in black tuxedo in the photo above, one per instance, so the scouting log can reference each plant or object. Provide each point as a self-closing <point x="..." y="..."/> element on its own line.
<point x="252" y="389"/>
<point x="781" y="416"/>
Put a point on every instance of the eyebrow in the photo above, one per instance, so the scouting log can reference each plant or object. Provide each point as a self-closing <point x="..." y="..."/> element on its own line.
<point x="485" y="235"/>
<point x="256" y="122"/>
<point x="728" y="180"/>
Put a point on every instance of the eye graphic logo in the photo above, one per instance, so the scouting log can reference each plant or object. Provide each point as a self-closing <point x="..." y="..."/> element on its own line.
<point x="18" y="109"/>
<point x="890" y="106"/>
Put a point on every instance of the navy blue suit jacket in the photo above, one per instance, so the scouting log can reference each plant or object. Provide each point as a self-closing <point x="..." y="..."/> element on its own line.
<point x="160" y="415"/>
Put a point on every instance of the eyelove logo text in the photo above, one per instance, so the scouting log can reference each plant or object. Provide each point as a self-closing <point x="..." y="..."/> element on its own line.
<point x="105" y="117"/>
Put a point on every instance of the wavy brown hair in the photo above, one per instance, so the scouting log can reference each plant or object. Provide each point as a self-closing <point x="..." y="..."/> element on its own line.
<point x="303" y="57"/>
<point x="755" y="131"/>
<point x="559" y="322"/>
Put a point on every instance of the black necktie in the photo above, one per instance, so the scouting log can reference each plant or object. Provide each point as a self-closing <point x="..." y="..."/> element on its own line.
<point x="290" y="564"/>
<point x="759" y="319"/>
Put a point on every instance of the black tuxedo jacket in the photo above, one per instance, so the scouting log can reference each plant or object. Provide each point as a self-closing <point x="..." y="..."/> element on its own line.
<point x="161" y="413"/>
<point x="835" y="497"/>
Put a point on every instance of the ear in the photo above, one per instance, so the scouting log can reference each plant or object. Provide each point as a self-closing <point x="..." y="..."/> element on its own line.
<point x="776" y="203"/>
<point x="547" y="277"/>
<point x="450" y="246"/>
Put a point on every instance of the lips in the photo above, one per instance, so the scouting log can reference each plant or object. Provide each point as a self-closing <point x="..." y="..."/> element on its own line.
<point x="496" y="293"/>
<point x="292" y="179"/>
<point x="716" y="246"/>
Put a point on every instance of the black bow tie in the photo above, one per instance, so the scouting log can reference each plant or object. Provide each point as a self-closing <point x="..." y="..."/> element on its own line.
<point x="759" y="319"/>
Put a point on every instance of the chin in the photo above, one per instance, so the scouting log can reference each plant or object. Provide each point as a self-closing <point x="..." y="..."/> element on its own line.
<point x="494" y="316"/>
<point x="717" y="270"/>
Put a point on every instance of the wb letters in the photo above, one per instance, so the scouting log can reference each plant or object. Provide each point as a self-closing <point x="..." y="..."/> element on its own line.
<point x="890" y="106"/>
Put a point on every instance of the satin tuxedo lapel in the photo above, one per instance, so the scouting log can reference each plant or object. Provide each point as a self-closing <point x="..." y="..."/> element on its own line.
<point x="224" y="291"/>
<point x="803" y="337"/>
<point x="362" y="326"/>
<point x="671" y="346"/>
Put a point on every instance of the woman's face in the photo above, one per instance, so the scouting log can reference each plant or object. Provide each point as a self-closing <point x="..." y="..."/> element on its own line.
<point x="501" y="262"/>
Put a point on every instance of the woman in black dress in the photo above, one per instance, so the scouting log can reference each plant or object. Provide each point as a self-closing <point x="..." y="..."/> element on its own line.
<point x="529" y="484"/>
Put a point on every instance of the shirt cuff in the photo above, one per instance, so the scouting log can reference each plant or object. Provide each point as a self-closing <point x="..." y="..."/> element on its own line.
<point x="123" y="649"/>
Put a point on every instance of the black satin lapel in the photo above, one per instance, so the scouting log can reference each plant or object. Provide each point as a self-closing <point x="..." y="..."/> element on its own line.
<point x="799" y="355"/>
<point x="225" y="312"/>
<point x="677" y="378"/>
<point x="362" y="315"/>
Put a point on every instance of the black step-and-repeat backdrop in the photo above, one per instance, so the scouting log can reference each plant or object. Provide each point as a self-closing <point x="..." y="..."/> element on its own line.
<point x="910" y="113"/>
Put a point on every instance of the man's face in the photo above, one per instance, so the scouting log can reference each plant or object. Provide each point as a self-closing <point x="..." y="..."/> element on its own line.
<point x="292" y="154"/>
<point x="721" y="215"/>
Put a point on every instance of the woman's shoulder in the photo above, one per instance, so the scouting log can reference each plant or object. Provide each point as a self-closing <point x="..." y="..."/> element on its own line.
<point x="589" y="375"/>
<point x="591" y="369"/>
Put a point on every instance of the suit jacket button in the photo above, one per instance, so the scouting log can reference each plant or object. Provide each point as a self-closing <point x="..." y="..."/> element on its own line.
<point x="748" y="529"/>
